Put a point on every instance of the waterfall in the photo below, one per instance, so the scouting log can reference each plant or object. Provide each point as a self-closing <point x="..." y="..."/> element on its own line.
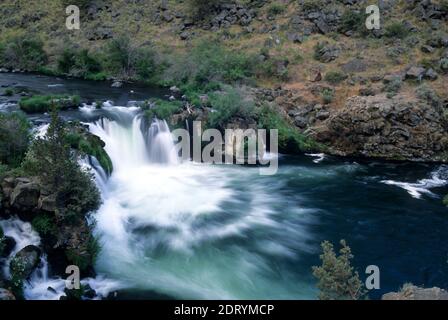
<point x="130" y="144"/>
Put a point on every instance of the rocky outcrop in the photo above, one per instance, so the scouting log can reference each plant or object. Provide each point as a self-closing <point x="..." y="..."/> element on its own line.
<point x="25" y="262"/>
<point x="394" y="129"/>
<point x="25" y="197"/>
<point x="416" y="293"/>
<point x="6" y="295"/>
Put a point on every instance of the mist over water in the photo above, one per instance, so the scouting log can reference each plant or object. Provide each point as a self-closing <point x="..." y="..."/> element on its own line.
<point x="199" y="231"/>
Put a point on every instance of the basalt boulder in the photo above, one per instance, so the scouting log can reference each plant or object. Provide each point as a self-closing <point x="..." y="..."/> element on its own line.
<point x="25" y="262"/>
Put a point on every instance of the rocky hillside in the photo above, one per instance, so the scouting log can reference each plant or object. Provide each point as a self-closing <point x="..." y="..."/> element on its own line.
<point x="376" y="93"/>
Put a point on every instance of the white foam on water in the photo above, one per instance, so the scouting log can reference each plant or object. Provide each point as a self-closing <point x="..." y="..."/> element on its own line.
<point x="423" y="186"/>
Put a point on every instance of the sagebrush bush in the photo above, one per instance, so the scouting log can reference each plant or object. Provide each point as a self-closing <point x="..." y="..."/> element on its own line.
<point x="226" y="105"/>
<point x="14" y="138"/>
<point x="352" y="21"/>
<point x="327" y="95"/>
<point x="23" y="52"/>
<point x="396" y="30"/>
<point x="276" y="9"/>
<point x="80" y="63"/>
<point x="335" y="77"/>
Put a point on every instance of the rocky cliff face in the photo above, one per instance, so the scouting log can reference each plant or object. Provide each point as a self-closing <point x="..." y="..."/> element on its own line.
<point x="394" y="129"/>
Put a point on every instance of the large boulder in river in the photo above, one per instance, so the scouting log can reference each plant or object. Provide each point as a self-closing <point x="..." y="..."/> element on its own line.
<point x="415" y="293"/>
<point x="25" y="262"/>
<point x="395" y="129"/>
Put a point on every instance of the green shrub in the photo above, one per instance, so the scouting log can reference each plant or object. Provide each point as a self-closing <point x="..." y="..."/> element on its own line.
<point x="337" y="278"/>
<point x="226" y="105"/>
<point x="396" y="30"/>
<point x="90" y="145"/>
<point x="24" y="52"/>
<point x="9" y="92"/>
<point x="208" y="63"/>
<point x="80" y="63"/>
<point x="426" y="93"/>
<point x="163" y="109"/>
<point x="202" y="9"/>
<point x="275" y="67"/>
<point x="51" y="160"/>
<point x="327" y="95"/>
<point x="352" y="21"/>
<point x="312" y="5"/>
<point x="393" y="87"/>
<point x="290" y="141"/>
<point x="40" y="104"/>
<point x="335" y="77"/>
<point x="45" y="225"/>
<point x="84" y="259"/>
<point x="276" y="9"/>
<point x="14" y="138"/>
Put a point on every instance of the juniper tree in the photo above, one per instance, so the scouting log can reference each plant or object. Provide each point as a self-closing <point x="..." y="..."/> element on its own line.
<point x="337" y="279"/>
<point x="52" y="161"/>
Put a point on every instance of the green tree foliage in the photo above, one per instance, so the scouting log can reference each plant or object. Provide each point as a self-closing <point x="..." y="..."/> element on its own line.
<point x="51" y="159"/>
<point x="128" y="60"/>
<point x="290" y="140"/>
<point x="206" y="66"/>
<point x="14" y="138"/>
<point x="80" y="63"/>
<point x="226" y="105"/>
<point x="337" y="279"/>
<point x="24" y="52"/>
<point x="163" y="109"/>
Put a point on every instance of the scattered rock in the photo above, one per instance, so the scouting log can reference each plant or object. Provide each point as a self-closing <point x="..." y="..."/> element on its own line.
<point x="117" y="84"/>
<point x="416" y="293"/>
<point x="430" y="74"/>
<point x="25" y="195"/>
<point x="415" y="73"/>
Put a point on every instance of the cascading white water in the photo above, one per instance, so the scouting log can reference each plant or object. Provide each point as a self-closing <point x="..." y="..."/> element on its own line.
<point x="161" y="219"/>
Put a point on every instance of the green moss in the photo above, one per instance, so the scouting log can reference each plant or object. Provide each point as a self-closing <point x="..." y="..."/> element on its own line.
<point x="445" y="200"/>
<point x="163" y="109"/>
<point x="40" y="104"/>
<point x="92" y="146"/>
<point x="45" y="225"/>
<point x="289" y="139"/>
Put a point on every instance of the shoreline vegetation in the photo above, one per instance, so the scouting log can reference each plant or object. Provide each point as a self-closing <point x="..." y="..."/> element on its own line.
<point x="214" y="83"/>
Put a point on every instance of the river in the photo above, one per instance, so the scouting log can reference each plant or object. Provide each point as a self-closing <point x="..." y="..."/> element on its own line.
<point x="184" y="230"/>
